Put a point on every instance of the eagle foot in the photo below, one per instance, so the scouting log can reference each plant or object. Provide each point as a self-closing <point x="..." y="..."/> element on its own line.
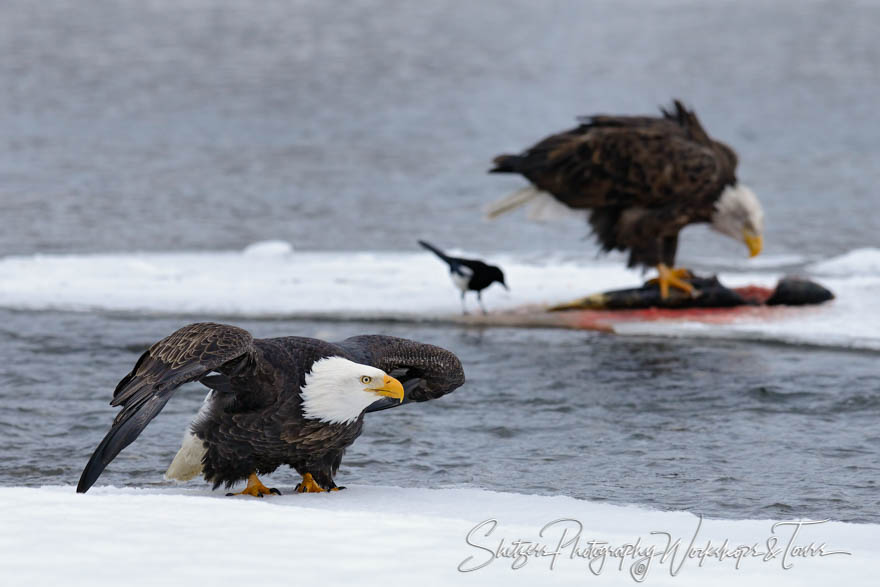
<point x="674" y="277"/>
<point x="255" y="488"/>
<point x="308" y="485"/>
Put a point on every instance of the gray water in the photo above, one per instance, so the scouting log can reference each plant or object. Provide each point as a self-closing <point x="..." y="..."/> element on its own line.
<point x="202" y="126"/>
<point x="724" y="429"/>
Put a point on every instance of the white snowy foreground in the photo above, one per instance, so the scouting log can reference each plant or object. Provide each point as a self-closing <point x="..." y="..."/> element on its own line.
<point x="270" y="279"/>
<point x="392" y="536"/>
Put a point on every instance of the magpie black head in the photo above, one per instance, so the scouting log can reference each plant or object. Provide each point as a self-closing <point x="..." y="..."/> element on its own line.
<point x="497" y="274"/>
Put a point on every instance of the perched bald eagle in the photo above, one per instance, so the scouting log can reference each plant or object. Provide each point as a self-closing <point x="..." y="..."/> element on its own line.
<point x="641" y="179"/>
<point x="275" y="401"/>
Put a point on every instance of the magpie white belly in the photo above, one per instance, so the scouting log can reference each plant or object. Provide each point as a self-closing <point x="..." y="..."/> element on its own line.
<point x="461" y="279"/>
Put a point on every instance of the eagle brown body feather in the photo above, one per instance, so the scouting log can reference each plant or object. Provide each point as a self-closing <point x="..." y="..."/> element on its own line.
<point x="256" y="423"/>
<point x="642" y="178"/>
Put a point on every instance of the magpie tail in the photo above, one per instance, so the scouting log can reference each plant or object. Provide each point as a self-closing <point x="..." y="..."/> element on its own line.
<point x="436" y="251"/>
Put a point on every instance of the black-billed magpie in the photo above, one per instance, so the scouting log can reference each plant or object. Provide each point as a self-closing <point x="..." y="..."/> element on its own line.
<point x="469" y="274"/>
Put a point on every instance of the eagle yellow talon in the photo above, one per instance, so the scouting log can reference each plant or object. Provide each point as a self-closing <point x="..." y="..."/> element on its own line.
<point x="679" y="272"/>
<point x="673" y="277"/>
<point x="255" y="488"/>
<point x="308" y="485"/>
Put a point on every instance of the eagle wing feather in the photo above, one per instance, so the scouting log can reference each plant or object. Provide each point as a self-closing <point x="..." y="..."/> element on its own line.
<point x="186" y="355"/>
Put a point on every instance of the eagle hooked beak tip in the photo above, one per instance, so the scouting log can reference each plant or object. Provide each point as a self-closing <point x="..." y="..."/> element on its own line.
<point x="754" y="241"/>
<point x="391" y="387"/>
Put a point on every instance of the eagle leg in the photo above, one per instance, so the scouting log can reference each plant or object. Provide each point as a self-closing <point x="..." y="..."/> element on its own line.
<point x="255" y="488"/>
<point x="674" y="277"/>
<point x="308" y="485"/>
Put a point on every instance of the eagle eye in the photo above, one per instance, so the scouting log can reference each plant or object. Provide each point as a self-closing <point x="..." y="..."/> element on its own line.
<point x="366" y="379"/>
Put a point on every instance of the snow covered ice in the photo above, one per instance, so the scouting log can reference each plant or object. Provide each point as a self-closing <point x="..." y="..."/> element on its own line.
<point x="274" y="280"/>
<point x="373" y="535"/>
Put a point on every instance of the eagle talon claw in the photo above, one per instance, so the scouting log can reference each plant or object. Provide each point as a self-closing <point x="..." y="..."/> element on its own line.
<point x="308" y="485"/>
<point x="674" y="277"/>
<point x="255" y="488"/>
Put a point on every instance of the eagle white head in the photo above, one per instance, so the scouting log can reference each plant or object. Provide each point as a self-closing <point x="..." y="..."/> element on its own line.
<point x="337" y="390"/>
<point x="739" y="215"/>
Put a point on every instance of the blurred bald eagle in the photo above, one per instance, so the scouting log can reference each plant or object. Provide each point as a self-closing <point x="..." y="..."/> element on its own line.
<point x="274" y="401"/>
<point x="640" y="179"/>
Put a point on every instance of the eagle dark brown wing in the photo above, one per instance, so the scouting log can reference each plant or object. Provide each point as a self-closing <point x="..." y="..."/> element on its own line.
<point x="186" y="355"/>
<point x="426" y="371"/>
<point x="627" y="161"/>
<point x="642" y="178"/>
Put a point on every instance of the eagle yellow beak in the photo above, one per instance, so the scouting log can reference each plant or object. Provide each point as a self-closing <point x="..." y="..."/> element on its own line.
<point x="753" y="241"/>
<point x="391" y="387"/>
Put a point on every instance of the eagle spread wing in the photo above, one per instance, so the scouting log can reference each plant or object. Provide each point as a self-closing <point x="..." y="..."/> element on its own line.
<point x="186" y="355"/>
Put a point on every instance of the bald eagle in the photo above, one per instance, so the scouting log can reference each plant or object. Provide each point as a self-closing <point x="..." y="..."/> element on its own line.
<point x="276" y="401"/>
<point x="640" y="180"/>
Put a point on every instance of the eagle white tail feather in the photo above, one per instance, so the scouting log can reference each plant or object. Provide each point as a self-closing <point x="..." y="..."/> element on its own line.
<point x="187" y="463"/>
<point x="509" y="203"/>
<point x="546" y="208"/>
<point x="543" y="206"/>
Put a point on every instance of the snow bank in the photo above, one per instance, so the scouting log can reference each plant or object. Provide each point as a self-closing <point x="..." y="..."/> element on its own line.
<point x="857" y="262"/>
<point x="392" y="536"/>
<point x="270" y="279"/>
<point x="268" y="249"/>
